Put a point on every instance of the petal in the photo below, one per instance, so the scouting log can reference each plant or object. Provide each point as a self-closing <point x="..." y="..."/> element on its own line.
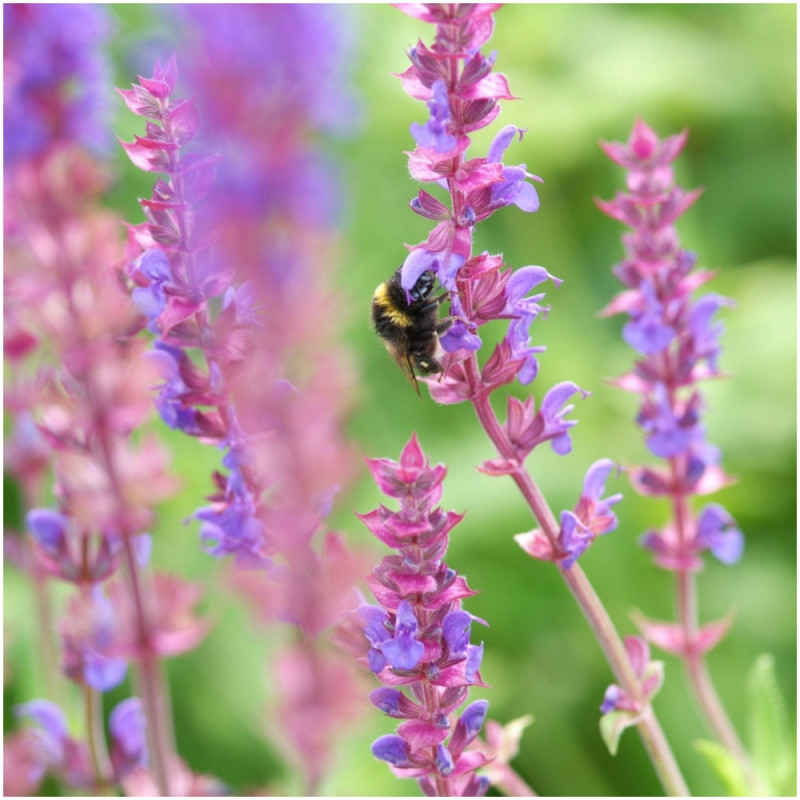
<point x="456" y="629"/>
<point x="596" y="475"/>
<point x="47" y="715"/>
<point x="393" y="749"/>
<point x="501" y="142"/>
<point x="47" y="527"/>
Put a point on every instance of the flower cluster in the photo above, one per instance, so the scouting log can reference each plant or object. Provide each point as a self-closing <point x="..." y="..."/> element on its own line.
<point x="677" y="340"/>
<point x="462" y="93"/>
<point x="419" y="635"/>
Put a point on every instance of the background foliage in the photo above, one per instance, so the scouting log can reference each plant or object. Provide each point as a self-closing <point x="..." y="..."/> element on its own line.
<point x="582" y="73"/>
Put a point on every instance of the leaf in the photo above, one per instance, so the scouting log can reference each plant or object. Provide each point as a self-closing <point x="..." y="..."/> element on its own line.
<point x="725" y="766"/>
<point x="771" y="743"/>
<point x="612" y="724"/>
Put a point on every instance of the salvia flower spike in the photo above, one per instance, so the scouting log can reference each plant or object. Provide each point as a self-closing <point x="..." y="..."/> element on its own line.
<point x="676" y="339"/>
<point x="419" y="634"/>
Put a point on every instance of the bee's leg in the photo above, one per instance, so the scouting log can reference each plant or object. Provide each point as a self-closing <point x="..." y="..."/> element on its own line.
<point x="436" y="301"/>
<point x="444" y="325"/>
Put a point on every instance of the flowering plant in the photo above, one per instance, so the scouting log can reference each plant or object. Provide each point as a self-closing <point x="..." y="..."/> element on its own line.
<point x="185" y="392"/>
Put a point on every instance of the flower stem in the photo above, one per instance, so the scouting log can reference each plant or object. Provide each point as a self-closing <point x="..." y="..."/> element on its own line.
<point x="160" y="739"/>
<point x="655" y="742"/>
<point x="694" y="661"/>
<point x="101" y="764"/>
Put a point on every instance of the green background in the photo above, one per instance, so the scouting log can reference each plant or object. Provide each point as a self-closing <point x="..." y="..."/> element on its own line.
<point x="582" y="73"/>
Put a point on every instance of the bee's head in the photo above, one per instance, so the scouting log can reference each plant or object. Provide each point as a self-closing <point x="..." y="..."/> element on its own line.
<point x="422" y="288"/>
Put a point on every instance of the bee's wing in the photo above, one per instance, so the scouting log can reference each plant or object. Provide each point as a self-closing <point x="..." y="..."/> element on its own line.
<point x="402" y="355"/>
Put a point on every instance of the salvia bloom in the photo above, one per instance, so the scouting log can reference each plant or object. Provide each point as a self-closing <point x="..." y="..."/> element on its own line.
<point x="419" y="635"/>
<point x="676" y="338"/>
<point x="56" y="77"/>
<point x="591" y="517"/>
<point x="462" y="94"/>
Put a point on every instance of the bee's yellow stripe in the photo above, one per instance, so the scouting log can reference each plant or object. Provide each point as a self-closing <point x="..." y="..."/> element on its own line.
<point x="398" y="317"/>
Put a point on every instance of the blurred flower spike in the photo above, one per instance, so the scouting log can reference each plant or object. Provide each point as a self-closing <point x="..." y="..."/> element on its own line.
<point x="173" y="283"/>
<point x="463" y="95"/>
<point x="419" y="635"/>
<point x="676" y="339"/>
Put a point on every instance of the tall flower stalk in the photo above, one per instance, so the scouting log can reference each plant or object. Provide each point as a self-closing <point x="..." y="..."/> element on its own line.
<point x="80" y="391"/>
<point x="419" y="634"/>
<point x="234" y="279"/>
<point x="676" y="339"/>
<point x="463" y="93"/>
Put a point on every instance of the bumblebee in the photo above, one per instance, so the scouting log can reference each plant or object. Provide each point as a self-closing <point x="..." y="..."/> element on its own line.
<point x="410" y="331"/>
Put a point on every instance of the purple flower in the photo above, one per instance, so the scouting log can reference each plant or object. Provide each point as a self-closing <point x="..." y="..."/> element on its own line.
<point x="574" y="537"/>
<point x="552" y="412"/>
<point x="592" y="515"/>
<point x="705" y="335"/>
<point x="233" y="530"/>
<point x="420" y="260"/>
<point x="456" y="629"/>
<point x="50" y="733"/>
<point x="54" y="749"/>
<point x="593" y="508"/>
<point x="670" y="429"/>
<point x="472" y="719"/>
<point x="443" y="761"/>
<point x="473" y="664"/>
<point x="459" y="337"/>
<point x="377" y="633"/>
<point x="393" y="749"/>
<point x="89" y="637"/>
<point x="717" y="531"/>
<point x="433" y="133"/>
<point x="50" y="719"/>
<point x="170" y="399"/>
<point x="151" y="300"/>
<point x="387" y="700"/>
<point x="126" y="725"/>
<point x="647" y="332"/>
<point x="403" y="651"/>
<point x="103" y="673"/>
<point x="613" y="699"/>
<point x="48" y="528"/>
<point x="513" y="189"/>
<point x="523" y="311"/>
